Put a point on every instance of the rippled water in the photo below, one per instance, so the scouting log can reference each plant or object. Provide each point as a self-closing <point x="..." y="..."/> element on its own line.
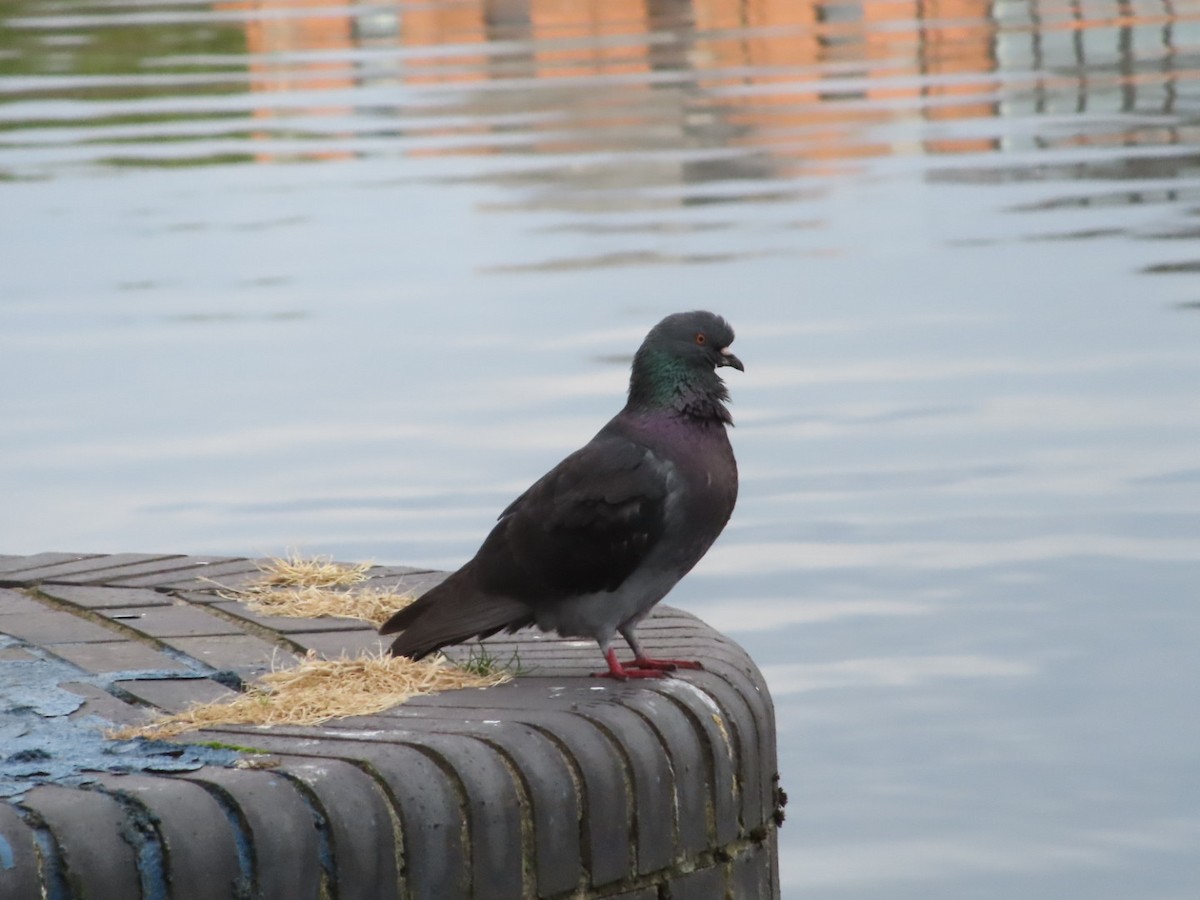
<point x="347" y="276"/>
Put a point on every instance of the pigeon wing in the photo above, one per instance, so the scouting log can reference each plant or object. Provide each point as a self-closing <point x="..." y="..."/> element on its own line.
<point x="582" y="528"/>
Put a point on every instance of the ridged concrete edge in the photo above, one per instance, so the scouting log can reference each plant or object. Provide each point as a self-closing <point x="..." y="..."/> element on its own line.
<point x="555" y="785"/>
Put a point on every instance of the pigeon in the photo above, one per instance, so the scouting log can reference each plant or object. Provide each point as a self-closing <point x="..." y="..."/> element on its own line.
<point x="596" y="542"/>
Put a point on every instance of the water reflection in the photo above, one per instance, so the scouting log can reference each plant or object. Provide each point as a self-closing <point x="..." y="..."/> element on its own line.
<point x="642" y="107"/>
<point x="800" y="88"/>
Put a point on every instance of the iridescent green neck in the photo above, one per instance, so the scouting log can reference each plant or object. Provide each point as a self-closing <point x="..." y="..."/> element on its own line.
<point x="657" y="379"/>
<point x="662" y="381"/>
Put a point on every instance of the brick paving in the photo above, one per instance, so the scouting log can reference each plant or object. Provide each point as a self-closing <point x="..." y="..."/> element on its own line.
<point x="555" y="785"/>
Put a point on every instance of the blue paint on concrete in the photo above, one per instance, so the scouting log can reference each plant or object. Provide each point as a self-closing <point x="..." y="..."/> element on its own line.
<point x="43" y="744"/>
<point x="141" y="833"/>
<point x="32" y="686"/>
<point x="324" y="842"/>
<point x="247" y="884"/>
<point x="54" y="880"/>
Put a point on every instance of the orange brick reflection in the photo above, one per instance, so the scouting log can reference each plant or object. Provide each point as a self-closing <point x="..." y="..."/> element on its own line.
<point x="274" y="29"/>
<point x="445" y="26"/>
<point x="804" y="81"/>
<point x="955" y="50"/>
<point x="817" y="82"/>
<point x="590" y="27"/>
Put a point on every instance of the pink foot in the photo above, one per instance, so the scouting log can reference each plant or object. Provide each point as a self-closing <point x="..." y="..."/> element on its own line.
<point x="642" y="668"/>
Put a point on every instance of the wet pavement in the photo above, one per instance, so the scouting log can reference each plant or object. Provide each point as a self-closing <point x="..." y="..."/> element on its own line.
<point x="555" y="782"/>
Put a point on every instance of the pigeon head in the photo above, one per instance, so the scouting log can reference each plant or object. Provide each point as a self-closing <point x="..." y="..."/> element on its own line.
<point x="675" y="368"/>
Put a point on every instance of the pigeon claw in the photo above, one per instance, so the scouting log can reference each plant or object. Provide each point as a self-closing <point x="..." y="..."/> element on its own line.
<point x="642" y="667"/>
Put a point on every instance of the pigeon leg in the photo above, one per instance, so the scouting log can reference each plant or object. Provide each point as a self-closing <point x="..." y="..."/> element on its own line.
<point x="643" y="662"/>
<point x="620" y="673"/>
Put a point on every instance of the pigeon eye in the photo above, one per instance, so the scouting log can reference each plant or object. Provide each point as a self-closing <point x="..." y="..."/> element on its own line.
<point x="700" y="338"/>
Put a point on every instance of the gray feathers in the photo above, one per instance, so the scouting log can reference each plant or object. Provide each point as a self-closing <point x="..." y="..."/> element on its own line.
<point x="604" y="535"/>
<point x="453" y="611"/>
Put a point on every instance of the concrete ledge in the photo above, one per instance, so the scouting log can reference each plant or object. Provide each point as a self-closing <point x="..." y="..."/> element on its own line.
<point x="556" y="785"/>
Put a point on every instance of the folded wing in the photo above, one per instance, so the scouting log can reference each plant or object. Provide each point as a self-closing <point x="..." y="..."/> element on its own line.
<point x="582" y="529"/>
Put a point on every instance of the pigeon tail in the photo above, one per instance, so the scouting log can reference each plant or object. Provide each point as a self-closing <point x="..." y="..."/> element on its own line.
<point x="450" y="613"/>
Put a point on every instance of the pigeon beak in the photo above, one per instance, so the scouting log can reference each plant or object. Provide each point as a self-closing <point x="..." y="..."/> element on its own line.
<point x="728" y="359"/>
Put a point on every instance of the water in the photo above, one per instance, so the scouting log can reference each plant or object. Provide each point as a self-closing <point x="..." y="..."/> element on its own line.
<point x="346" y="277"/>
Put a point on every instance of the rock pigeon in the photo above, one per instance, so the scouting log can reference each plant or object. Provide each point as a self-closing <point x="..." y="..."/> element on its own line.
<point x="598" y="540"/>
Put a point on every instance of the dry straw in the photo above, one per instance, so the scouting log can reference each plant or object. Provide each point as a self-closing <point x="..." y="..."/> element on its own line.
<point x="318" y="571"/>
<point x="317" y="689"/>
<point x="309" y="588"/>
<point x="374" y="605"/>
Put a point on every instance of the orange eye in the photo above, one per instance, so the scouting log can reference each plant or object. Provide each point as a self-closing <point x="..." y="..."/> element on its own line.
<point x="700" y="338"/>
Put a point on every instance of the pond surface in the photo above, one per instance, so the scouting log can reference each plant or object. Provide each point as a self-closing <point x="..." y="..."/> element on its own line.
<point x="346" y="277"/>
